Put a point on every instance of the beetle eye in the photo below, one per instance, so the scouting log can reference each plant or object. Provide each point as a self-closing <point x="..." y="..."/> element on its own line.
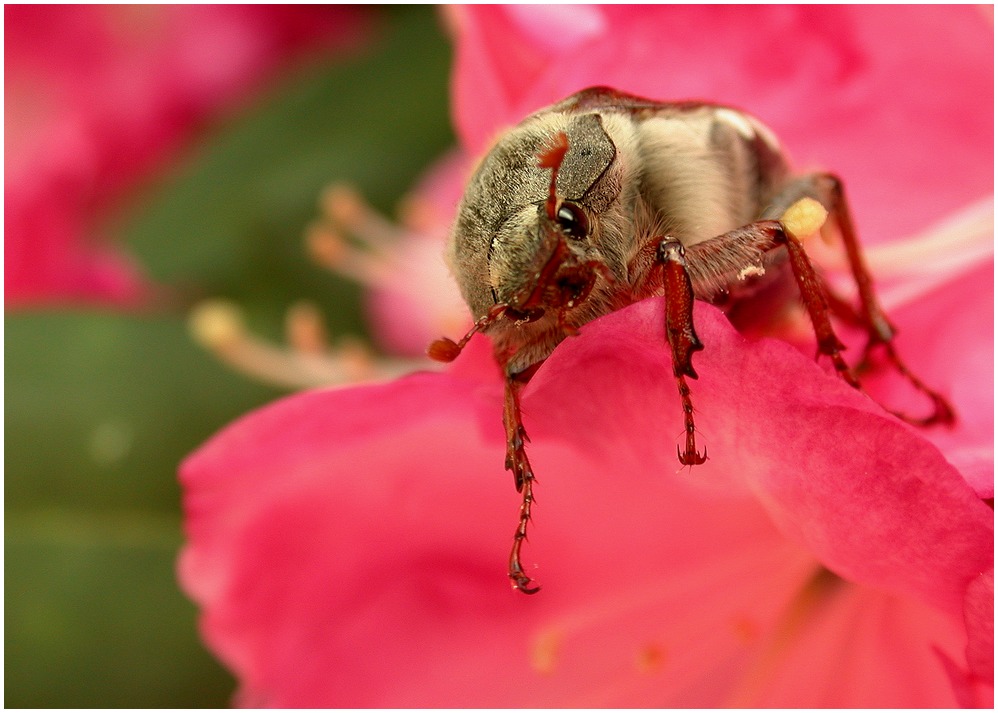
<point x="572" y="220"/>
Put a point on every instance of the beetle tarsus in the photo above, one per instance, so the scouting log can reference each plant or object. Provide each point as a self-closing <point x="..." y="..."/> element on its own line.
<point x="517" y="576"/>
<point x="523" y="476"/>
<point x="522" y="583"/>
<point x="942" y="413"/>
<point x="691" y="456"/>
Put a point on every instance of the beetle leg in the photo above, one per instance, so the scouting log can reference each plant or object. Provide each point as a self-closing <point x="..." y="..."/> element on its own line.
<point x="880" y="331"/>
<point x="523" y="475"/>
<point x="828" y="189"/>
<point x="683" y="340"/>
<point x="813" y="294"/>
<point x="747" y="248"/>
<point x="842" y="309"/>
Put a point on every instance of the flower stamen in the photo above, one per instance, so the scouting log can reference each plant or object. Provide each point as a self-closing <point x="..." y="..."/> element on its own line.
<point x="306" y="362"/>
<point x="327" y="248"/>
<point x="815" y="594"/>
<point x="342" y="205"/>
<point x="354" y="240"/>
<point x="304" y="329"/>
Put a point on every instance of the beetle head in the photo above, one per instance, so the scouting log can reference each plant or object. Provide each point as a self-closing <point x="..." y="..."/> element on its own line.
<point x="559" y="277"/>
<point x="530" y="216"/>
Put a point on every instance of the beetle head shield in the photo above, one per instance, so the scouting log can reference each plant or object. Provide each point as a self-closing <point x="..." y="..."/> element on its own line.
<point x="520" y="237"/>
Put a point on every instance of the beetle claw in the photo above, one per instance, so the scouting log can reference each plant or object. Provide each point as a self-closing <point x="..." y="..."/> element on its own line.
<point x="691" y="456"/>
<point x="522" y="582"/>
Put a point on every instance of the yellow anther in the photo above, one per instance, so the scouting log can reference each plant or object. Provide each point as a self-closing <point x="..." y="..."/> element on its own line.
<point x="545" y="652"/>
<point x="805" y="217"/>
<point x="216" y="324"/>
<point x="650" y="658"/>
<point x="328" y="248"/>
<point x="325" y="245"/>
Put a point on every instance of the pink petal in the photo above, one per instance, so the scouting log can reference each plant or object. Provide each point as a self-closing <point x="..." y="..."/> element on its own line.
<point x="872" y="650"/>
<point x="973" y="682"/>
<point x="359" y="562"/>
<point x="870" y="497"/>
<point x="418" y="301"/>
<point x="979" y="611"/>
<point x="494" y="77"/>
<point x="348" y="546"/>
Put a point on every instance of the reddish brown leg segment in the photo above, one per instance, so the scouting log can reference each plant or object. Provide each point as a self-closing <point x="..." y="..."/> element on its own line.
<point x="816" y="304"/>
<point x="879" y="329"/>
<point x="683" y="340"/>
<point x="523" y="476"/>
<point x="447" y="350"/>
<point x="746" y="247"/>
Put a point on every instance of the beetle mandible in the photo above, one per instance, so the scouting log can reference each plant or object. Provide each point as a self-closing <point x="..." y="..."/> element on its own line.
<point x="606" y="198"/>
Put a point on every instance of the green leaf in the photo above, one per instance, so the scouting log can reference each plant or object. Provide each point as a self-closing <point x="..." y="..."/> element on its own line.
<point x="100" y="408"/>
<point x="93" y="618"/>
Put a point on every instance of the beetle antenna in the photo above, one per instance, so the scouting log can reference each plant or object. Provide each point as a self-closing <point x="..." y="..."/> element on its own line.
<point x="447" y="350"/>
<point x="552" y="157"/>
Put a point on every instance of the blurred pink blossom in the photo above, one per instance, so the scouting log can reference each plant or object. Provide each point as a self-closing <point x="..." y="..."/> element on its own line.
<point x="98" y="97"/>
<point x="347" y="546"/>
<point x="417" y="301"/>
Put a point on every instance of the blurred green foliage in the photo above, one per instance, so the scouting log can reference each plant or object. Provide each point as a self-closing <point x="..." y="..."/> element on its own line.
<point x="101" y="407"/>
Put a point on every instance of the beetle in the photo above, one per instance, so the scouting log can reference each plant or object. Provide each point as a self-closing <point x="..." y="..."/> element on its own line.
<point x="607" y="198"/>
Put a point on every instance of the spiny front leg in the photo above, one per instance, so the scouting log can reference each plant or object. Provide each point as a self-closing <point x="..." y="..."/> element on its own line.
<point x="523" y="476"/>
<point x="682" y="337"/>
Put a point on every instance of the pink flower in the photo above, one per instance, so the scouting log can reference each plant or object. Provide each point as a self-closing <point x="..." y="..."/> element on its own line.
<point x="413" y="300"/>
<point x="97" y="97"/>
<point x="347" y="546"/>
